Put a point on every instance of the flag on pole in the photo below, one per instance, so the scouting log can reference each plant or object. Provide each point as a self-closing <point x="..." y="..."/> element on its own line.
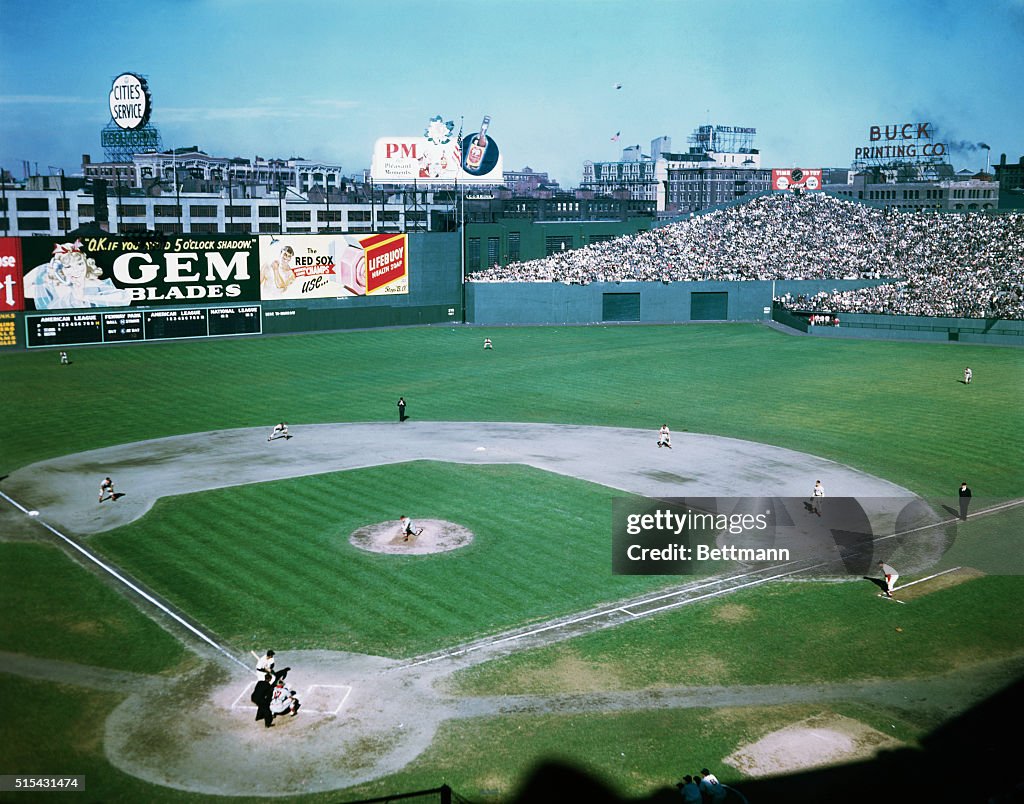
<point x="457" y="151"/>
<point x="616" y="137"/>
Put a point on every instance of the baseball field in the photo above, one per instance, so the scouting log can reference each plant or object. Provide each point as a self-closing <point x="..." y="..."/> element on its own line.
<point x="500" y="638"/>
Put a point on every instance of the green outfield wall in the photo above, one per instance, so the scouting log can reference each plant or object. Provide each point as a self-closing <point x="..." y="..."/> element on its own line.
<point x="653" y="302"/>
<point x="435" y="296"/>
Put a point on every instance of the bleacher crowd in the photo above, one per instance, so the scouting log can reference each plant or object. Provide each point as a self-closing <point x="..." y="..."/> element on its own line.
<point x="942" y="264"/>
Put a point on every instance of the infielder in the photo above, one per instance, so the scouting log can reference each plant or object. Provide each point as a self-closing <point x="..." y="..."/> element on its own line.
<point x="891" y="576"/>
<point x="279" y="431"/>
<point x="107" y="489"/>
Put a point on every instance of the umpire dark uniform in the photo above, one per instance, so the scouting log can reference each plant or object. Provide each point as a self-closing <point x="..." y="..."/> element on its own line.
<point x="965" y="500"/>
<point x="261" y="696"/>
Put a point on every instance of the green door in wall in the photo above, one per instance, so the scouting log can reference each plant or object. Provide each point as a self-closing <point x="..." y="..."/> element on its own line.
<point x="620" y="306"/>
<point x="709" y="306"/>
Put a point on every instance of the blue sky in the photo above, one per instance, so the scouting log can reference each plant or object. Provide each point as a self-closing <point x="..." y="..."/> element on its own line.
<point x="323" y="80"/>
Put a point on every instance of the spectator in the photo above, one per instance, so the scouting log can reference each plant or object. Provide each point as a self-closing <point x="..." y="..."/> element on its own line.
<point x="939" y="264"/>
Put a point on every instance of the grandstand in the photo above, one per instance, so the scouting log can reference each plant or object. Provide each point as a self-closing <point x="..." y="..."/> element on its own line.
<point x="963" y="265"/>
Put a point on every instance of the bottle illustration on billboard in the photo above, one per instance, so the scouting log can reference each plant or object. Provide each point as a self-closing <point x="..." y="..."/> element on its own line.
<point x="352" y="268"/>
<point x="480" y="151"/>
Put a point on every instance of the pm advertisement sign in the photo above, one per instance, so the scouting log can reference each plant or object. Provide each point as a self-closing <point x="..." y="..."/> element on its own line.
<point x="440" y="156"/>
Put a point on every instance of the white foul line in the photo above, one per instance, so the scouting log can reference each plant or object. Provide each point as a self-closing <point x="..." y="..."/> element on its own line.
<point x="126" y="582"/>
<point x="922" y="580"/>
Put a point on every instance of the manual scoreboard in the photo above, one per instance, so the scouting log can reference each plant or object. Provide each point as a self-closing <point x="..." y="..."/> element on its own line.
<point x="69" y="329"/>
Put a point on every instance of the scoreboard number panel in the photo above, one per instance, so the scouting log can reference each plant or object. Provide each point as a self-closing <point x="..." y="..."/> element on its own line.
<point x="122" y="327"/>
<point x="235" y="320"/>
<point x="143" y="325"/>
<point x="63" y="330"/>
<point x="166" y="324"/>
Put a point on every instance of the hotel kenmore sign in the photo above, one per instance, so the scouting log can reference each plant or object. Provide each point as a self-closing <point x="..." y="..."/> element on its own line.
<point x="130" y="102"/>
<point x="901" y="141"/>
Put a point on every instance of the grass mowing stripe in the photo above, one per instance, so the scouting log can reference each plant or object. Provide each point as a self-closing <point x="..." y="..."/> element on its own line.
<point x="517" y="570"/>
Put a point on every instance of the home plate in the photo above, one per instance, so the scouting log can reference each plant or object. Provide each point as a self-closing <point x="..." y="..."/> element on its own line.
<point x="323" y="699"/>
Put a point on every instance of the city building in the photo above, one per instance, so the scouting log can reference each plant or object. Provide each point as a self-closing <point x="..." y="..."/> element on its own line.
<point x="195" y="170"/>
<point x="632" y="177"/>
<point x="528" y="182"/>
<point x="963" y="191"/>
<point x="720" y="166"/>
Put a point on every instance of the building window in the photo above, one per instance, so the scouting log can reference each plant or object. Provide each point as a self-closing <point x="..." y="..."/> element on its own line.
<point x="203" y="211"/>
<point x="206" y="228"/>
<point x="269" y="212"/>
<point x="167" y="211"/>
<point x="33" y="205"/>
<point x="33" y="224"/>
<point x="387" y="215"/>
<point x="331" y="216"/>
<point x="236" y="228"/>
<point x="86" y="210"/>
<point x="131" y="228"/>
<point x="298" y="216"/>
<point x="557" y="244"/>
<point x="131" y="210"/>
<point x="268" y="227"/>
<point x="359" y="215"/>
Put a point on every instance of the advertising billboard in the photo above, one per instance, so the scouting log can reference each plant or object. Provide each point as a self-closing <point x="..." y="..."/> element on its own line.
<point x="12" y="295"/>
<point x="796" y="179"/>
<point x="440" y="156"/>
<point x="61" y="274"/>
<point x="332" y="266"/>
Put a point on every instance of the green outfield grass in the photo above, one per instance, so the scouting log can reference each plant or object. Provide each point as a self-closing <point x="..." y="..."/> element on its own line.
<point x="896" y="410"/>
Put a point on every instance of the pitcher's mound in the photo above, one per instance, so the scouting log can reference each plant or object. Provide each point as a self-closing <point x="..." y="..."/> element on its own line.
<point x="435" y="536"/>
